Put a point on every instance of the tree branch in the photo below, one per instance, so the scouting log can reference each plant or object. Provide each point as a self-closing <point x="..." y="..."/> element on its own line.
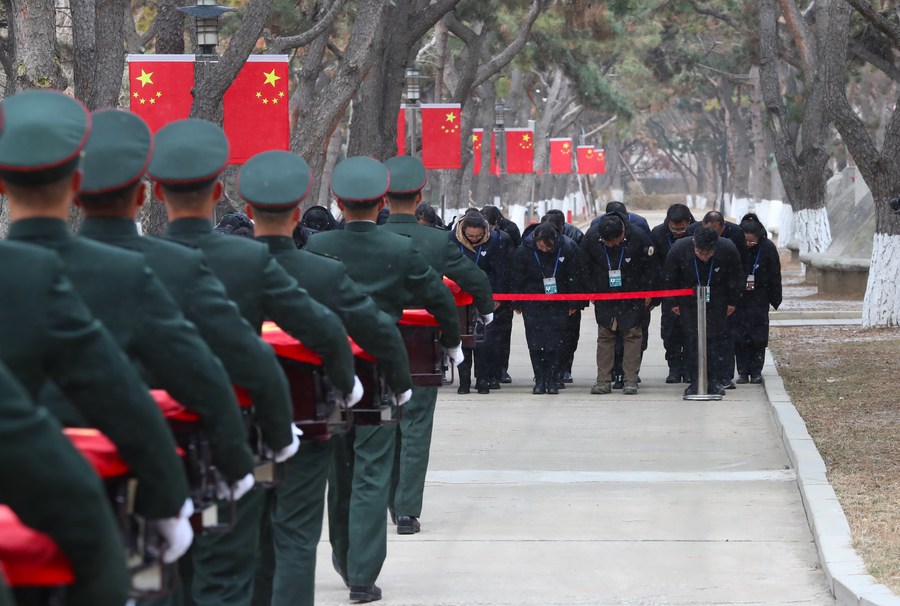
<point x="733" y="78"/>
<point x="426" y="18"/>
<point x="486" y="71"/>
<point x="883" y="25"/>
<point x="859" y="51"/>
<point x="280" y="45"/>
<point x="703" y="9"/>
<point x="800" y="33"/>
<point x="460" y="30"/>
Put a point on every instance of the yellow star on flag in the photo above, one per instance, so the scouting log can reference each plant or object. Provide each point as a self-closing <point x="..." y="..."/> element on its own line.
<point x="271" y="78"/>
<point x="258" y="95"/>
<point x="565" y="146"/>
<point x="159" y="93"/>
<point x="451" y="117"/>
<point x="136" y="95"/>
<point x="152" y="101"/>
<point x="281" y="94"/>
<point x="142" y="101"/>
<point x="526" y="138"/>
<point x="275" y="100"/>
<point x="265" y="101"/>
<point x="145" y="78"/>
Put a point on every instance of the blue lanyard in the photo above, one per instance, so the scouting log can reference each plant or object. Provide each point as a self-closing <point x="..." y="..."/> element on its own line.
<point x="462" y="249"/>
<point x="755" y="263"/>
<point x="540" y="267"/>
<point x="608" y="264"/>
<point x="697" y="269"/>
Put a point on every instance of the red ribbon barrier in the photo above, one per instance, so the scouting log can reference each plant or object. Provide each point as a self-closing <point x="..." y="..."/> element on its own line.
<point x="604" y="296"/>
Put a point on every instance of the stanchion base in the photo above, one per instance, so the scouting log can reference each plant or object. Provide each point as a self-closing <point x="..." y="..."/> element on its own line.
<point x="705" y="397"/>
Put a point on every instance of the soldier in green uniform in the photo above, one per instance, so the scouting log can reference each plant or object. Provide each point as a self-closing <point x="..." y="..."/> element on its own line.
<point x="112" y="193"/>
<point x="389" y="268"/>
<point x="125" y="295"/>
<point x="63" y="343"/>
<point x="53" y="489"/>
<point x="274" y="184"/>
<point x="188" y="158"/>
<point x="414" y="433"/>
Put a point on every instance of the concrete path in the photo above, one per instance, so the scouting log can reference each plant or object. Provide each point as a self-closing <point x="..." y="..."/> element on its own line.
<point x="600" y="500"/>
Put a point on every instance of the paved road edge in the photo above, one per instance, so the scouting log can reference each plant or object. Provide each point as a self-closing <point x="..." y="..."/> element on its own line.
<point x="847" y="575"/>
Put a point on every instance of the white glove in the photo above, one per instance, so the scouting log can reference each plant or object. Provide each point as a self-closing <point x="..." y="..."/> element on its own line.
<point x="177" y="533"/>
<point x="235" y="490"/>
<point x="356" y="395"/>
<point x="291" y="449"/>
<point x="455" y="354"/>
<point x="487" y="318"/>
<point x="403" y="398"/>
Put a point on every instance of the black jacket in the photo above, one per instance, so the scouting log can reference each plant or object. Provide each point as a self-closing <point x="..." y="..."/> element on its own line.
<point x="545" y="322"/>
<point x="493" y="258"/>
<point x="636" y="259"/>
<point x="750" y="322"/>
<point x="723" y="273"/>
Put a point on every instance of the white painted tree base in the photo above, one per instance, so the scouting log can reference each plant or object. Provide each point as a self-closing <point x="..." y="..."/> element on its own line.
<point x="881" y="306"/>
<point x="785" y="225"/>
<point x="812" y="231"/>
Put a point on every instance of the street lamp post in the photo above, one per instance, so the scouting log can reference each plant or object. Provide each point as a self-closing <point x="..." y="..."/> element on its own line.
<point x="206" y="15"/>
<point x="413" y="95"/>
<point x="500" y="129"/>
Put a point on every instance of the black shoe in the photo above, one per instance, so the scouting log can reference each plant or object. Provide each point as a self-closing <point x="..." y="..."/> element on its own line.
<point x="560" y="384"/>
<point x="742" y="380"/>
<point x="463" y="389"/>
<point x="727" y="384"/>
<point x="337" y="569"/>
<point x="619" y="382"/>
<point x="539" y="388"/>
<point x="756" y="379"/>
<point x="505" y="378"/>
<point x="482" y="387"/>
<point x="674" y="377"/>
<point x="567" y="377"/>
<point x="690" y="390"/>
<point x="493" y="384"/>
<point x="408" y="525"/>
<point x="552" y="388"/>
<point x="715" y="389"/>
<point x="365" y="594"/>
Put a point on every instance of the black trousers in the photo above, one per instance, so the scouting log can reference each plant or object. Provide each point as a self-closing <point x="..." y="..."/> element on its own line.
<point x="750" y="358"/>
<point x="570" y="341"/>
<point x="673" y="337"/>
<point x="718" y="361"/>
<point x="497" y="337"/>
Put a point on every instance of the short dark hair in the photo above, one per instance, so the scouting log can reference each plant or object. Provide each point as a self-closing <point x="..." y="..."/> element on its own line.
<point x="117" y="200"/>
<point x="318" y="218"/>
<point x="556" y="218"/>
<point x="610" y="226"/>
<point x="545" y="232"/>
<point x="706" y="238"/>
<point x="713" y="216"/>
<point x="492" y="214"/>
<point x="427" y="212"/>
<point x="235" y="224"/>
<point x="474" y="218"/>
<point x="406" y="196"/>
<point x="679" y="213"/>
<point x="616" y="207"/>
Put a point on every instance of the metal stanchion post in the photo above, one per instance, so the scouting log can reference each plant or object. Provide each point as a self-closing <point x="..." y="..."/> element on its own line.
<point x="701" y="349"/>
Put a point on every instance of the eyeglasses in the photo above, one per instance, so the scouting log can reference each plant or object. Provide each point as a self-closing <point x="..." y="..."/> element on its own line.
<point x="678" y="230"/>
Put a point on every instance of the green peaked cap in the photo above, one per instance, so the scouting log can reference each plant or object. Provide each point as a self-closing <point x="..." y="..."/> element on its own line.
<point x="43" y="135"/>
<point x="188" y="151"/>
<point x="407" y="174"/>
<point x="274" y="180"/>
<point x="117" y="152"/>
<point x="359" y="179"/>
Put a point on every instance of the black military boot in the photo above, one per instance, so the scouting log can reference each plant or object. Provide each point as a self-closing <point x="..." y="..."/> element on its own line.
<point x="550" y="371"/>
<point x="540" y="378"/>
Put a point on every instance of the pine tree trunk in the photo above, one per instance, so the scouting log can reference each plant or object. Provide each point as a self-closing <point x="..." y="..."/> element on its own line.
<point x="32" y="32"/>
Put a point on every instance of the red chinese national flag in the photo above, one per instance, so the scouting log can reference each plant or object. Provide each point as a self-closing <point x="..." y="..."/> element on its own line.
<point x="401" y="131"/>
<point x="441" y="137"/>
<point x="600" y="159"/>
<point x="587" y="162"/>
<point x="560" y="156"/>
<point x="159" y="88"/>
<point x="257" y="108"/>
<point x="477" y="136"/>
<point x="519" y="151"/>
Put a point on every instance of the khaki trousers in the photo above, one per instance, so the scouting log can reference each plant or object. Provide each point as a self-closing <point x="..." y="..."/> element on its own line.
<point x="606" y="353"/>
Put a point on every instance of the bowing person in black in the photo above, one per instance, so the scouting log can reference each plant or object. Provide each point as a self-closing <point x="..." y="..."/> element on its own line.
<point x="705" y="260"/>
<point x="762" y="287"/>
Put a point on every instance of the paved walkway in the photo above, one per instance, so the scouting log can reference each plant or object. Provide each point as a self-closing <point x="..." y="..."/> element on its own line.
<point x="600" y="500"/>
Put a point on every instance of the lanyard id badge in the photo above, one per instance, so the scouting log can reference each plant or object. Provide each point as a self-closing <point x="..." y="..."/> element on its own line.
<point x="550" y="286"/>
<point x="751" y="282"/>
<point x="615" y="278"/>
<point x="708" y="295"/>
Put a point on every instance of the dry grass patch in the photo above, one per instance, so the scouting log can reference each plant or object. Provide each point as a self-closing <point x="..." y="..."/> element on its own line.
<point x="844" y="382"/>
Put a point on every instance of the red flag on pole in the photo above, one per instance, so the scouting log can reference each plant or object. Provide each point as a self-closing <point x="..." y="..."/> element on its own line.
<point x="401" y="130"/>
<point x="441" y="137"/>
<point x="560" y="156"/>
<point x="160" y="88"/>
<point x="587" y="161"/>
<point x="600" y="158"/>
<point x="477" y="136"/>
<point x="519" y="151"/>
<point x="257" y="108"/>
